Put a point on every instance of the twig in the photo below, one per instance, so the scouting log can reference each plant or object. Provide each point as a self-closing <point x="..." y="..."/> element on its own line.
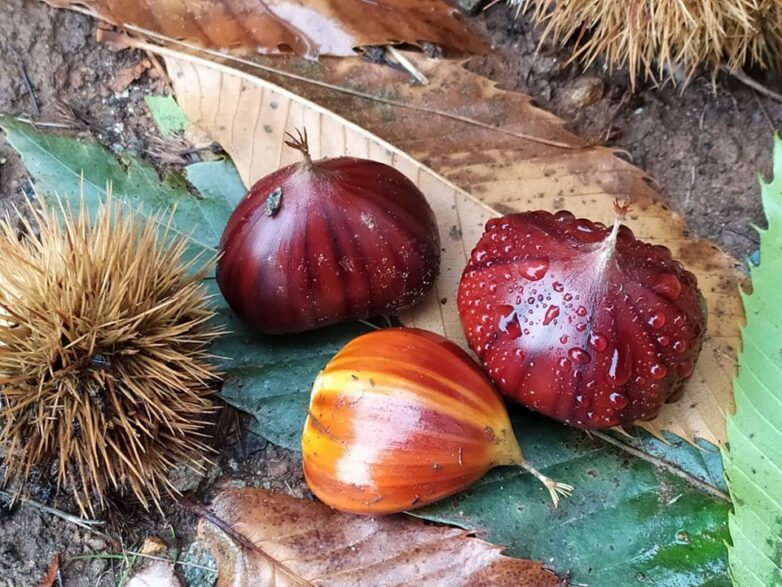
<point x="754" y="84"/>
<point x="407" y="65"/>
<point x="82" y="523"/>
<point x="658" y="462"/>
<point x="124" y="556"/>
<point x="160" y="70"/>
<point x="27" y="84"/>
<point x="37" y="123"/>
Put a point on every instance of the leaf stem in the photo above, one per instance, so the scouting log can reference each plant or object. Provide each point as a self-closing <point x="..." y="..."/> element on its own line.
<point x="662" y="464"/>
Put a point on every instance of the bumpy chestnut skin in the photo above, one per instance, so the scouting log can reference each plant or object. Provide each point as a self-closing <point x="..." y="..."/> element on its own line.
<point x="592" y="330"/>
<point x="350" y="238"/>
<point x="400" y="418"/>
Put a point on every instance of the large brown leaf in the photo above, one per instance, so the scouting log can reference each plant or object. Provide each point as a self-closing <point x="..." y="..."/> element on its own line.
<point x="494" y="143"/>
<point x="306" y="27"/>
<point x="279" y="540"/>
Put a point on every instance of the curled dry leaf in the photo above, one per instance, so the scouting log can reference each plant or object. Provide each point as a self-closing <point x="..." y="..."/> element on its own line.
<point x="287" y="541"/>
<point x="306" y="27"/>
<point x="492" y="143"/>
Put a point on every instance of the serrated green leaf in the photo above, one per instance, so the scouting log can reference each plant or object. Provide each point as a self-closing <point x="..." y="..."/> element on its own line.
<point x="753" y="460"/>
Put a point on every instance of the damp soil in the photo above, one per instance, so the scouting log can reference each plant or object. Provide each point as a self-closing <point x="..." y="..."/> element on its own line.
<point x="705" y="146"/>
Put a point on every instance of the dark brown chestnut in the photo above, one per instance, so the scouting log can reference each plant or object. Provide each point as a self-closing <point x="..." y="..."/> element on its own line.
<point x="320" y="242"/>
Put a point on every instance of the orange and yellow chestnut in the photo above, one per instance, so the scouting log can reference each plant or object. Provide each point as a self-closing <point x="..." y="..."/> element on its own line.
<point x="401" y="418"/>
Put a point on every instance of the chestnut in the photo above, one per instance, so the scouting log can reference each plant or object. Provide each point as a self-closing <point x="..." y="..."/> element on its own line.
<point x="579" y="321"/>
<point x="321" y="242"/>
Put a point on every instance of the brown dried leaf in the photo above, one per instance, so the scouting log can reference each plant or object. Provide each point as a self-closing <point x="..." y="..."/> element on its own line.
<point x="307" y="543"/>
<point x="128" y="74"/>
<point x="494" y="144"/>
<point x="306" y="27"/>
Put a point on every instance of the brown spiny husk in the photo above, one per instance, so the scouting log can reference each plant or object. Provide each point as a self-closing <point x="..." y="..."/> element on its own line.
<point x="105" y="376"/>
<point x="661" y="38"/>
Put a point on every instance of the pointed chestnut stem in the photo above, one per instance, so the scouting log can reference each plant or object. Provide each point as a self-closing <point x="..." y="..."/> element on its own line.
<point x="607" y="248"/>
<point x="301" y="144"/>
<point x="555" y="488"/>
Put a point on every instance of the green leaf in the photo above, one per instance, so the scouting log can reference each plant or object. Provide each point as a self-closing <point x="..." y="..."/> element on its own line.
<point x="218" y="180"/>
<point x="167" y="114"/>
<point x="753" y="461"/>
<point x="66" y="167"/>
<point x="628" y="522"/>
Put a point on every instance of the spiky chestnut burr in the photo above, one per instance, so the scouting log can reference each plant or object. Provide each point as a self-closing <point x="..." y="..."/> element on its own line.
<point x="664" y="40"/>
<point x="105" y="376"/>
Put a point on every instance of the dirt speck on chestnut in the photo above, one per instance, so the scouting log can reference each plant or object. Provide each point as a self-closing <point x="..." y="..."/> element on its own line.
<point x="580" y="322"/>
<point x="321" y="242"/>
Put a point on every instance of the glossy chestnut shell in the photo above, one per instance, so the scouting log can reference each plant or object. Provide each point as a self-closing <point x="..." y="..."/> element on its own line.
<point x="399" y="419"/>
<point x="583" y="323"/>
<point x="321" y="242"/>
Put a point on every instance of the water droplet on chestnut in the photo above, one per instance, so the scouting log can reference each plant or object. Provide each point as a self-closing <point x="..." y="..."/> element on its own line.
<point x="551" y="314"/>
<point x="669" y="286"/>
<point x="508" y="322"/>
<point x="579" y="355"/>
<point x="657" y="371"/>
<point x="533" y="269"/>
<point x="598" y="342"/>
<point x="618" y="400"/>
<point x="657" y="319"/>
<point x="685" y="368"/>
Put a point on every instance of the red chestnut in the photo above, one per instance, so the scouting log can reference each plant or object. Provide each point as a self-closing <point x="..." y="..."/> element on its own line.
<point x="320" y="242"/>
<point x="580" y="322"/>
